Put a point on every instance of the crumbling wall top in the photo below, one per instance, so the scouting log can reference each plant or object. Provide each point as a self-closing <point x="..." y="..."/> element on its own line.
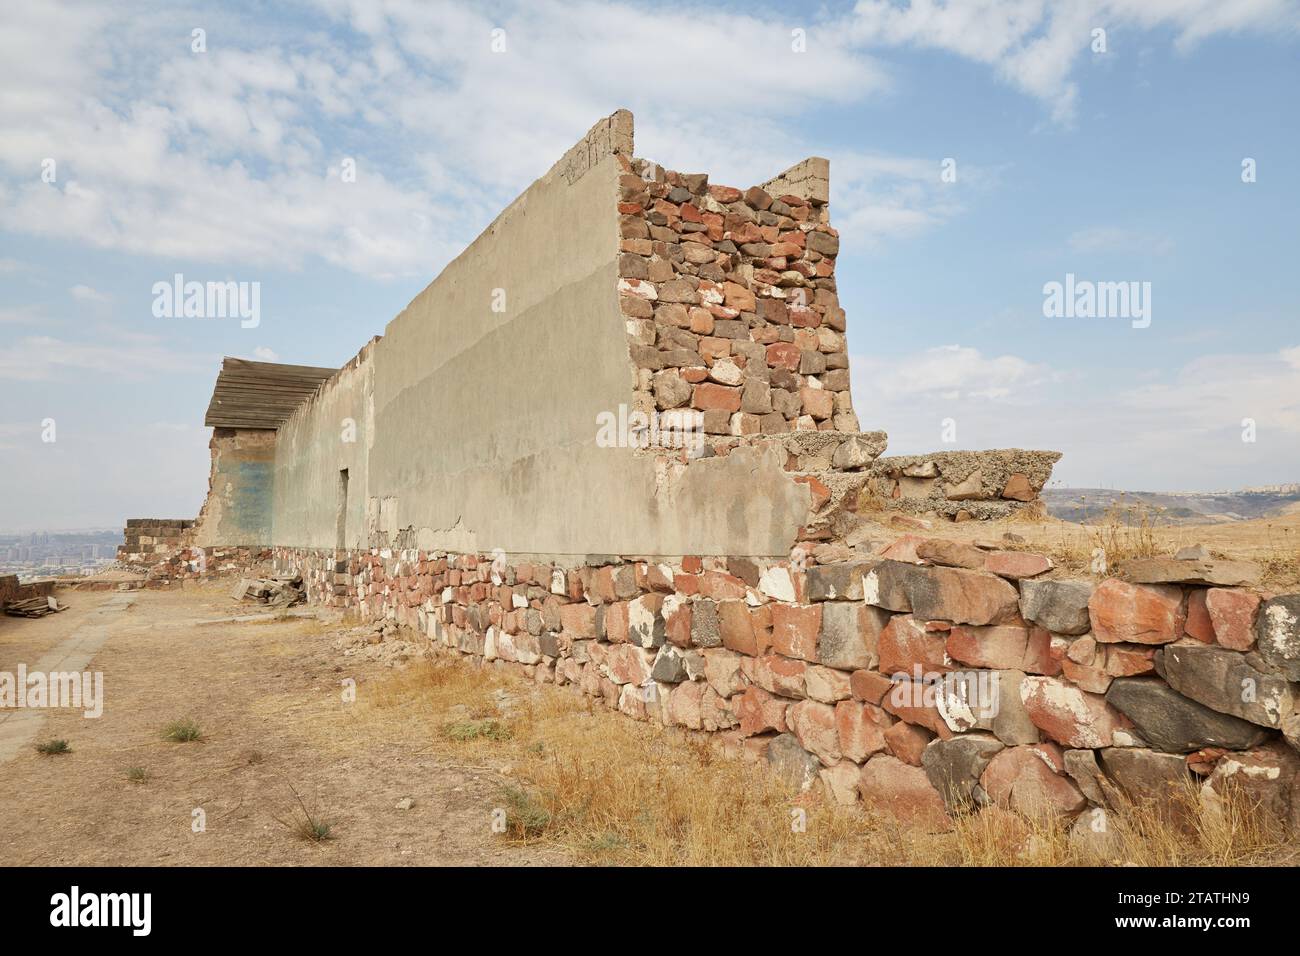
<point x="809" y="179"/>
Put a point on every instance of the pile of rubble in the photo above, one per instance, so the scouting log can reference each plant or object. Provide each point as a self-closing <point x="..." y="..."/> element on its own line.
<point x="275" y="591"/>
<point x="382" y="642"/>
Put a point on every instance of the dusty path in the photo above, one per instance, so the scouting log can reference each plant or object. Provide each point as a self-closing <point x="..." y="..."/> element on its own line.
<point x="268" y="701"/>
<point x="85" y="635"/>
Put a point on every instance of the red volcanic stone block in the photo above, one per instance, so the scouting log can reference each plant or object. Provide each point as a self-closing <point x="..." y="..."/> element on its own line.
<point x="795" y="630"/>
<point x="870" y="686"/>
<point x="759" y="711"/>
<point x="907" y="742"/>
<point x="1003" y="647"/>
<point x="659" y="577"/>
<point x="1018" y="488"/>
<point x="737" y="627"/>
<point x="813" y="724"/>
<point x="677" y="624"/>
<point x="776" y="674"/>
<point x="629" y="664"/>
<point x="817" y="402"/>
<point x="709" y="396"/>
<point x="1136" y="613"/>
<point x="684" y="705"/>
<point x="686" y="584"/>
<point x="960" y="596"/>
<point x="1232" y="613"/>
<point x="784" y="355"/>
<point x="906" y="644"/>
<point x="916" y="703"/>
<point x="1030" y="779"/>
<point x="1016" y="564"/>
<point x="721" y="586"/>
<point x="579" y="619"/>
<point x="737" y="297"/>
<point x="1069" y="715"/>
<point x="600" y="585"/>
<point x="1198" y="623"/>
<point x="904" y="792"/>
<point x="861" y="729"/>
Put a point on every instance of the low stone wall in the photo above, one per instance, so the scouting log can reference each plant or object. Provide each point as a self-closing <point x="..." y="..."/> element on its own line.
<point x="13" y="590"/>
<point x="150" y="541"/>
<point x="927" y="678"/>
<point x="961" y="485"/>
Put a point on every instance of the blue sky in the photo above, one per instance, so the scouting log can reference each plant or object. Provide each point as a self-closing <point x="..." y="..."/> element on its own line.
<point x="1122" y="165"/>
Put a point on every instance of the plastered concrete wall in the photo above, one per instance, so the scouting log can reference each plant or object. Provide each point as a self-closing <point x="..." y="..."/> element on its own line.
<point x="238" y="508"/>
<point x="484" y="427"/>
<point x="331" y="431"/>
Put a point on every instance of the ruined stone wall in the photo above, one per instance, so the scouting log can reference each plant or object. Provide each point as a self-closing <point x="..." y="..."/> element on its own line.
<point x="960" y="485"/>
<point x="164" y="551"/>
<point x="239" y="507"/>
<point x="731" y="304"/>
<point x="610" y="291"/>
<point x="13" y="590"/>
<point x="150" y="541"/>
<point x="926" y="677"/>
<point x="480" y="410"/>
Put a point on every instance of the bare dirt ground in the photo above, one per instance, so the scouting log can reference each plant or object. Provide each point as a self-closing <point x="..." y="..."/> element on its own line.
<point x="267" y="698"/>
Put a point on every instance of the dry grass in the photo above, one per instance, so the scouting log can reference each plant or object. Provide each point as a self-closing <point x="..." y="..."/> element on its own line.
<point x="1121" y="532"/>
<point x="1178" y="831"/>
<point x="182" y="731"/>
<point x="1131" y="530"/>
<point x="1281" y="557"/>
<point x="303" y="823"/>
<point x="610" y="790"/>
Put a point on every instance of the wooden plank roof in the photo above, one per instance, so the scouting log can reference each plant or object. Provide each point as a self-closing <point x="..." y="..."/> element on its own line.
<point x="260" y="394"/>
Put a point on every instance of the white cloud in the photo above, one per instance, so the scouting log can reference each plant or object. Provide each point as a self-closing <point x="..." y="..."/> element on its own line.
<point x="1035" y="46"/>
<point x="264" y="354"/>
<point x="232" y="155"/>
<point x="877" y="196"/>
<point x="85" y="293"/>
<point x="43" y="357"/>
<point x="1182" y="429"/>
<point x="951" y="373"/>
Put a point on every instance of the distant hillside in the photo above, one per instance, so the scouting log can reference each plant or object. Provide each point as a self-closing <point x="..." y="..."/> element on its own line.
<point x="1173" y="507"/>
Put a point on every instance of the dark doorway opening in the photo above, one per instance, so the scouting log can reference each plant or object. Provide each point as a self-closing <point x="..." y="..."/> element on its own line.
<point x="341" y="518"/>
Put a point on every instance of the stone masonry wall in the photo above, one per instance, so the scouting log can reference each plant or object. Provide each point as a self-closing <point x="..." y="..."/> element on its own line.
<point x="731" y="304"/>
<point x="960" y="485"/>
<point x="151" y="541"/>
<point x="164" y="550"/>
<point x="926" y="678"/>
<point x="13" y="590"/>
<point x="735" y="328"/>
